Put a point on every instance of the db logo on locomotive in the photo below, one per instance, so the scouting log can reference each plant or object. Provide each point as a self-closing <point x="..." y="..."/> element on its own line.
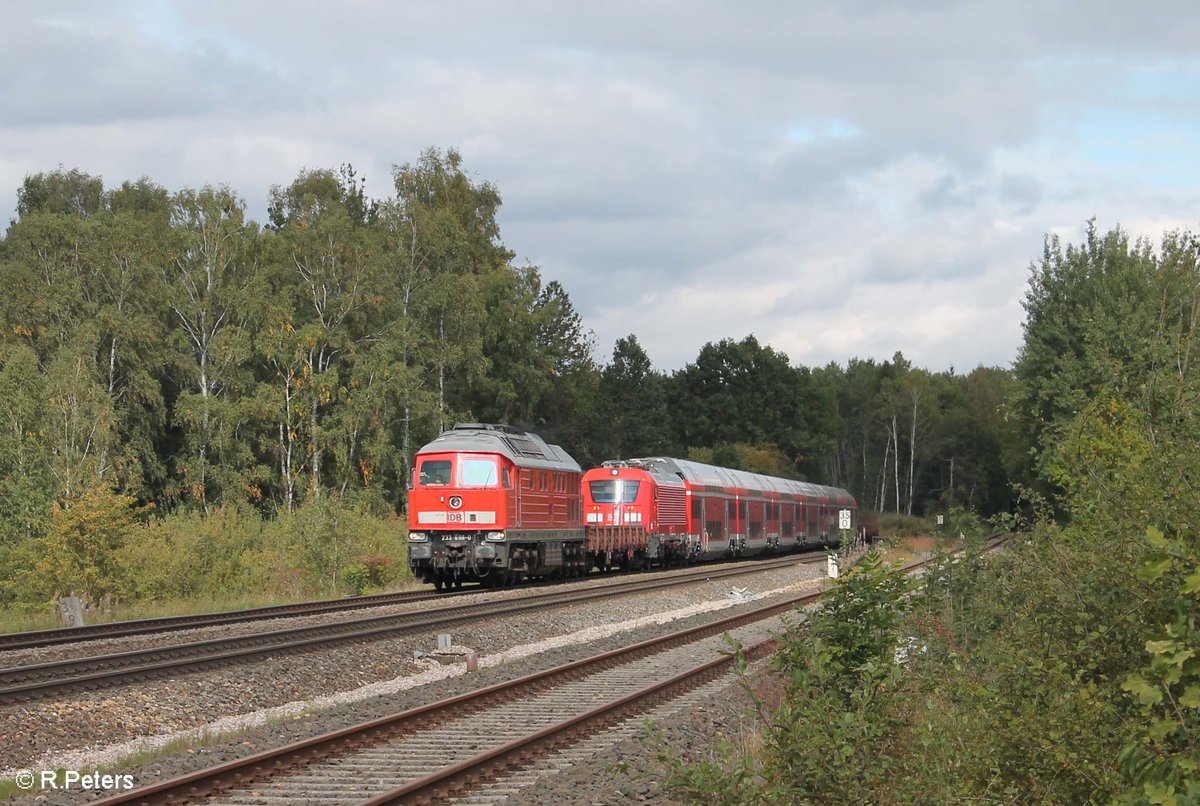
<point x="455" y="501"/>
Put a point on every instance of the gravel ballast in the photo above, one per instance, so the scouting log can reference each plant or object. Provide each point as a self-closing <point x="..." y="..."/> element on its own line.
<point x="351" y="683"/>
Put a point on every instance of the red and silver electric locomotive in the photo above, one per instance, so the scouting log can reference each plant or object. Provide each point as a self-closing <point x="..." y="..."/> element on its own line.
<point x="494" y="505"/>
<point x="669" y="510"/>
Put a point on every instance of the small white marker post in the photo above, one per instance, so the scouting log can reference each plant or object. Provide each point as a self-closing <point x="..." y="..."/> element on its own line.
<point x="847" y="540"/>
<point x="832" y="565"/>
<point x="70" y="608"/>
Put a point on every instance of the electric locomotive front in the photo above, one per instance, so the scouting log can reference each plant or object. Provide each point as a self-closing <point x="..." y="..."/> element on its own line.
<point x="634" y="514"/>
<point x="494" y="505"/>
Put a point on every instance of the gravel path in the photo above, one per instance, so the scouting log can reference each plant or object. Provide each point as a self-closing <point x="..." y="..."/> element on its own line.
<point x="92" y="730"/>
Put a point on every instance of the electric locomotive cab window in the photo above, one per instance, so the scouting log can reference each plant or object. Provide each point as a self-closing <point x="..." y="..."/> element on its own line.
<point x="614" y="491"/>
<point x="477" y="472"/>
<point x="434" y="471"/>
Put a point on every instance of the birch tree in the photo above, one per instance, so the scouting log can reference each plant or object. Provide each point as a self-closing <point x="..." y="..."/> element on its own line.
<point x="209" y="278"/>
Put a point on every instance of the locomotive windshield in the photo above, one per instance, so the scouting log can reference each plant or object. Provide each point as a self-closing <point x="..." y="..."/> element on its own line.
<point x="615" y="491"/>
<point x="434" y="471"/>
<point x="477" y="472"/>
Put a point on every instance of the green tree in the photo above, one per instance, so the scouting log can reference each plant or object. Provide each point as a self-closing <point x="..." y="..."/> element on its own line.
<point x="441" y="233"/>
<point x="26" y="485"/>
<point x="565" y="413"/>
<point x="210" y="284"/>
<point x="745" y="392"/>
<point x="633" y="416"/>
<point x="80" y="552"/>
<point x="330" y="263"/>
<point x="61" y="192"/>
<point x="1088" y="310"/>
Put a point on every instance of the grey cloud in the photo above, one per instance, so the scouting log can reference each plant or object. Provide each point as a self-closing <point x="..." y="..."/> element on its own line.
<point x="949" y="192"/>
<point x="1022" y="191"/>
<point x="58" y="70"/>
<point x="642" y="150"/>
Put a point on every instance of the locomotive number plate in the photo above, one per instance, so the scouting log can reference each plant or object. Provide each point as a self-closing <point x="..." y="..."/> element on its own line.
<point x="463" y="517"/>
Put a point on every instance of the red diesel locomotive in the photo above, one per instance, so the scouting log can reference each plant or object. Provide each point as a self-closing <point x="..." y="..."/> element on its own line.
<point x="494" y="505"/>
<point x="672" y="510"/>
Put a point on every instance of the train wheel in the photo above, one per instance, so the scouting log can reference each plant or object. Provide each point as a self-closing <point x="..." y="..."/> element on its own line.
<point x="438" y="582"/>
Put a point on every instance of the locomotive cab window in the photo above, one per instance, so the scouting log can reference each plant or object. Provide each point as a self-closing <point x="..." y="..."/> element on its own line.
<point x="614" y="491"/>
<point x="477" y="472"/>
<point x="434" y="471"/>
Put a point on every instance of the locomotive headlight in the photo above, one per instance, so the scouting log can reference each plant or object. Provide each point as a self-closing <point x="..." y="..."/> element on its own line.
<point x="496" y="536"/>
<point x="417" y="537"/>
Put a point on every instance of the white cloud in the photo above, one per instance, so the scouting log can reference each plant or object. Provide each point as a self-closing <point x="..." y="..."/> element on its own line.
<point x="840" y="179"/>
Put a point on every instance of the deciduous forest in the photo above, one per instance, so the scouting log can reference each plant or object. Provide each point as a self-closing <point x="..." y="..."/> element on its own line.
<point x="197" y="404"/>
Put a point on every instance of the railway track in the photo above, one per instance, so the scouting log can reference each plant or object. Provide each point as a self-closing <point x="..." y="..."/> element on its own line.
<point x="447" y="751"/>
<point x="422" y="750"/>
<point x="32" y="639"/>
<point x="119" y="629"/>
<point x="35" y="681"/>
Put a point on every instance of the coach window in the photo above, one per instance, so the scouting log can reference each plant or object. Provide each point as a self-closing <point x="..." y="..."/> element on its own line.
<point x="506" y="477"/>
<point x="477" y="472"/>
<point x="434" y="471"/>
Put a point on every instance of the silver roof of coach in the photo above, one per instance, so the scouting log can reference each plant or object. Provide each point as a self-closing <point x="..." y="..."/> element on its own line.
<point x="712" y="476"/>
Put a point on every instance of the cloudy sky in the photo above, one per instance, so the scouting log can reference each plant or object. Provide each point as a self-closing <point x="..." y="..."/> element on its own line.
<point x="840" y="179"/>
